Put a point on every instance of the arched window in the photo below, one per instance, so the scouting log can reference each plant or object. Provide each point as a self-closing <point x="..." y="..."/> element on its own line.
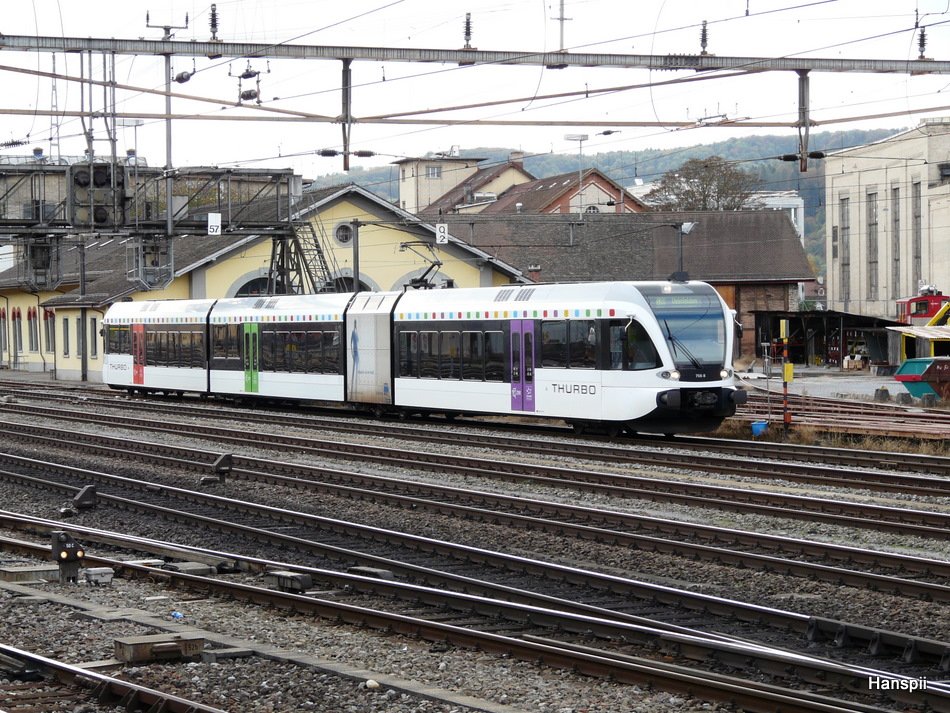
<point x="254" y="288"/>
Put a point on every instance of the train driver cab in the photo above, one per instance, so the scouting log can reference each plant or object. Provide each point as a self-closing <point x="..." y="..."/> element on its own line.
<point x="631" y="348"/>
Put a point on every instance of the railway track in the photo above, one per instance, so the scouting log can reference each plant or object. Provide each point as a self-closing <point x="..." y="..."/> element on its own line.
<point x="44" y="685"/>
<point x="423" y="558"/>
<point x="755" y="550"/>
<point x="567" y="639"/>
<point x="855" y="419"/>
<point x="855" y="468"/>
<point x="848" y="417"/>
<point x="925" y="523"/>
<point x="648" y="534"/>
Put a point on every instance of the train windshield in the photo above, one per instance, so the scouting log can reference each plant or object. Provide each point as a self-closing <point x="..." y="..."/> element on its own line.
<point x="692" y="322"/>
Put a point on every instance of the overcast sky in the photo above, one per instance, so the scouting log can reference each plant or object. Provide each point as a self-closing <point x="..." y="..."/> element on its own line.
<point x="866" y="29"/>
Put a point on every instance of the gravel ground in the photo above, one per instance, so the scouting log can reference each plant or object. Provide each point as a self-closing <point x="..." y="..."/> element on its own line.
<point x="258" y="685"/>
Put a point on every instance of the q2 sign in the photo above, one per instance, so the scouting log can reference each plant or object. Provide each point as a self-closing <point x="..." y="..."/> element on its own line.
<point x="441" y="233"/>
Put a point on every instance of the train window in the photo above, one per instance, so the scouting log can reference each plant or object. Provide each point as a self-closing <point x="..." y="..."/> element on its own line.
<point x="149" y="348"/>
<point x="429" y="355"/>
<point x="161" y="348"/>
<point x="191" y="356"/>
<point x="313" y="356"/>
<point x="640" y="352"/>
<point x="554" y="344"/>
<point x="473" y="356"/>
<point x="199" y="354"/>
<point x="331" y="352"/>
<point x="408" y="356"/>
<point x="280" y="351"/>
<point x="449" y="356"/>
<point x="185" y="354"/>
<point x="118" y="339"/>
<point x="267" y="350"/>
<point x="528" y="357"/>
<point x="219" y="341"/>
<point x="583" y="347"/>
<point x="494" y="356"/>
<point x="174" y="355"/>
<point x="225" y="344"/>
<point x="616" y="341"/>
<point x="297" y="351"/>
<point x="515" y="357"/>
<point x="199" y="340"/>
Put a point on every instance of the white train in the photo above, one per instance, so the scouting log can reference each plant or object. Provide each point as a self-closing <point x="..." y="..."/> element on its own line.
<point x="648" y="356"/>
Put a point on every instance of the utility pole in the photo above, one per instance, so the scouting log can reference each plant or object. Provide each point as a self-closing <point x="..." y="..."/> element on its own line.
<point x="560" y="18"/>
<point x="168" y="34"/>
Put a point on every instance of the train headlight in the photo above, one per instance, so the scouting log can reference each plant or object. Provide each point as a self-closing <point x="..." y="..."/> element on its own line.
<point x="725" y="373"/>
<point x="672" y="375"/>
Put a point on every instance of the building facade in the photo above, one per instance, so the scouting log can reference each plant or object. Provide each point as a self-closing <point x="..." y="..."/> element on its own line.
<point x="57" y="330"/>
<point x="888" y="220"/>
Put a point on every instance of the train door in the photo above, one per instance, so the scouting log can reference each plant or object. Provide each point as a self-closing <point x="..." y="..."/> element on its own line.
<point x="522" y="365"/>
<point x="138" y="353"/>
<point x="251" y="357"/>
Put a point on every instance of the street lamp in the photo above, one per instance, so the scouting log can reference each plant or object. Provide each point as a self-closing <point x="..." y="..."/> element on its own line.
<point x="611" y="132"/>
<point x="682" y="229"/>
<point x="580" y="139"/>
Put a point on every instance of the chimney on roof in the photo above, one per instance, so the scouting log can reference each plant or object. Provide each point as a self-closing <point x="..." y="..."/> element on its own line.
<point x="518" y="207"/>
<point x="516" y="158"/>
<point x="534" y="273"/>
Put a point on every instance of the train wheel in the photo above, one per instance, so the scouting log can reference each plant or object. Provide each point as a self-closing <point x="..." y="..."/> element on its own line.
<point x="580" y="428"/>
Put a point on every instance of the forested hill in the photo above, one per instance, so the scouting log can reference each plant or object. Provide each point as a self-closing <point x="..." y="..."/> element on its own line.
<point x="756" y="153"/>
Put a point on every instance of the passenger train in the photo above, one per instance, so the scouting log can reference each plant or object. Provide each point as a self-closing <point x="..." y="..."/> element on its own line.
<point x="645" y="356"/>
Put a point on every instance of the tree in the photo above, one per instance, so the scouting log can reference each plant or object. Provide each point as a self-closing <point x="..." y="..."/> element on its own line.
<point x="710" y="183"/>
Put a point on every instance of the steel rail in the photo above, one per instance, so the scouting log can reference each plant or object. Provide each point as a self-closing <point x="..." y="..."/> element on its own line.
<point x="692" y="645"/>
<point x="106" y="689"/>
<point x="752" y="464"/>
<point x="925" y="523"/>
<point x="595" y="447"/>
<point x="816" y="628"/>
<point x="627" y="528"/>
<point x="572" y="521"/>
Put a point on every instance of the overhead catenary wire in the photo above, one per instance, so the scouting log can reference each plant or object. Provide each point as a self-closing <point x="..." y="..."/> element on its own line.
<point x="441" y="123"/>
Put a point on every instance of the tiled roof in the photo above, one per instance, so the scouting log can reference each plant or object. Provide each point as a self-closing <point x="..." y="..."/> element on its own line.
<point x="741" y="246"/>
<point x="458" y="195"/>
<point x="534" y="196"/>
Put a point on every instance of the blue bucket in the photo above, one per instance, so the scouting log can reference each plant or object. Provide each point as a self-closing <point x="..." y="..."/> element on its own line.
<point x="758" y="427"/>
